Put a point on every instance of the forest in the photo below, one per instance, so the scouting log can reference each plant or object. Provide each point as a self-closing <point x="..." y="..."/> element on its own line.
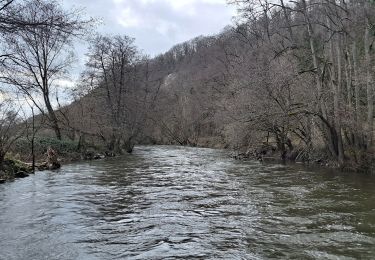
<point x="290" y="80"/>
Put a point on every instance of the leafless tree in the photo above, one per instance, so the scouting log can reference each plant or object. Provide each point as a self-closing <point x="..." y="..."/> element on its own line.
<point x="114" y="68"/>
<point x="9" y="130"/>
<point x="39" y="56"/>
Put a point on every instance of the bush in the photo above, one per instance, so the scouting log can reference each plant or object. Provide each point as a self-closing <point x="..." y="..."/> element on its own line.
<point x="63" y="147"/>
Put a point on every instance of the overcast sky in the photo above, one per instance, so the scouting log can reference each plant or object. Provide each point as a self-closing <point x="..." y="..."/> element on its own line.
<point x="157" y="25"/>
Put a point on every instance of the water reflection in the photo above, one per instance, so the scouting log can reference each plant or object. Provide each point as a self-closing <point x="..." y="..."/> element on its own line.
<point x="187" y="203"/>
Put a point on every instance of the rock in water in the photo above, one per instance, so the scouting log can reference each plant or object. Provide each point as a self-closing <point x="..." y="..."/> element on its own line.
<point x="110" y="154"/>
<point x="54" y="166"/>
<point x="21" y="174"/>
<point x="99" y="156"/>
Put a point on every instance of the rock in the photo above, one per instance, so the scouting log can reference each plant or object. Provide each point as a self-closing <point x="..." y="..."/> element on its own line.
<point x="318" y="161"/>
<point x="2" y="181"/>
<point x="266" y="150"/>
<point x="42" y="166"/>
<point x="21" y="174"/>
<point x="110" y="154"/>
<point x="91" y="155"/>
<point x="99" y="156"/>
<point x="240" y="156"/>
<point x="54" y="166"/>
<point x="48" y="166"/>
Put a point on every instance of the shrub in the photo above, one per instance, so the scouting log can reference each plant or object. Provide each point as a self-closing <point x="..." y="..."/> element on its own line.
<point x="63" y="147"/>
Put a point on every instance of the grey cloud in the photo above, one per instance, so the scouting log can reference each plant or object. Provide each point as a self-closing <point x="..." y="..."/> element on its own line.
<point x="156" y="24"/>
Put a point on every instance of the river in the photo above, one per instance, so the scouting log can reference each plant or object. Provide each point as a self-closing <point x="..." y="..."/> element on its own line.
<point x="166" y="202"/>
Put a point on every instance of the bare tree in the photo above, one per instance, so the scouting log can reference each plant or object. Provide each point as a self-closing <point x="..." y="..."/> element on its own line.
<point x="40" y="56"/>
<point x="113" y="66"/>
<point x="10" y="132"/>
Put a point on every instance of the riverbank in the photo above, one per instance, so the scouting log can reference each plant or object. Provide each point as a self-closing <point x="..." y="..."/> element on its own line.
<point x="14" y="169"/>
<point x="18" y="164"/>
<point x="313" y="158"/>
<point x="49" y="154"/>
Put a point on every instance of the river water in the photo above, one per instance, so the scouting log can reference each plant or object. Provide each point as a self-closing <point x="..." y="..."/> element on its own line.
<point x="187" y="203"/>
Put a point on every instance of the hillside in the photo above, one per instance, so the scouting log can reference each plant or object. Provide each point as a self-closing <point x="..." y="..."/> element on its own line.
<point x="282" y="81"/>
<point x="173" y="99"/>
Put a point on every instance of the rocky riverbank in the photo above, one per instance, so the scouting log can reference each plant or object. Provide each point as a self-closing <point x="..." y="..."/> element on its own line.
<point x="315" y="158"/>
<point x="14" y="168"/>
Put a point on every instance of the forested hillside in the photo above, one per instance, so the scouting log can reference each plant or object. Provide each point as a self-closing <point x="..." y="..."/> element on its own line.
<point x="297" y="77"/>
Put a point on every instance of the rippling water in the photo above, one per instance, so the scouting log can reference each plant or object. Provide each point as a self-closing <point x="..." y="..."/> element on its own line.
<point x="187" y="203"/>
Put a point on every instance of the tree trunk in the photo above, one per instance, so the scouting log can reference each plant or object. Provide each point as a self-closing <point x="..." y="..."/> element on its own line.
<point x="287" y="19"/>
<point x="348" y="78"/>
<point x="315" y="60"/>
<point x="81" y="142"/>
<point x="52" y="117"/>
<point x="2" y="157"/>
<point x="112" y="143"/>
<point x="329" y="135"/>
<point x="129" y="145"/>
<point x="337" y="95"/>
<point x="370" y="98"/>
<point x="33" y="152"/>
<point x="359" y="134"/>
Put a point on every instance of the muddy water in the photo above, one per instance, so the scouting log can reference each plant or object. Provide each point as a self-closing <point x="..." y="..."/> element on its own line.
<point x="187" y="203"/>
